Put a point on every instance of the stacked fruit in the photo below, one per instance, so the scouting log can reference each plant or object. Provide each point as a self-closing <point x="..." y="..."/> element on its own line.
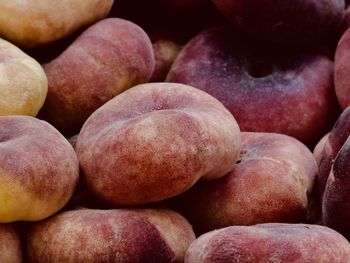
<point x="175" y="131"/>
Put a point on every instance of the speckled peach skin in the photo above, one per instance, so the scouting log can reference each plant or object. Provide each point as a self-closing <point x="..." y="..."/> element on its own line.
<point x="265" y="92"/>
<point x="38" y="169"/>
<point x="286" y="23"/>
<point x="31" y="23"/>
<point x="10" y="245"/>
<point x="23" y="83"/>
<point x="270" y="243"/>
<point x="270" y="183"/>
<point x="155" y="141"/>
<point x="124" y="235"/>
<point x="108" y="58"/>
<point x="336" y="199"/>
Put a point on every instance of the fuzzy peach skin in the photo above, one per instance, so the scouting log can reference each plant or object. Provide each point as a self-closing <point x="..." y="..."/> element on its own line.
<point x="23" y="83"/>
<point x="31" y="23"/>
<point x="266" y="91"/>
<point x="114" y="236"/>
<point x="270" y="183"/>
<point x="155" y="141"/>
<point x="108" y="58"/>
<point x="38" y="169"/>
<point x="10" y="244"/>
<point x="270" y="243"/>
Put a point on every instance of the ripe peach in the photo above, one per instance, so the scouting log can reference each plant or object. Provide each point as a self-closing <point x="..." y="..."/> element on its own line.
<point x="10" y="245"/>
<point x="31" y="23"/>
<point x="270" y="183"/>
<point x="155" y="141"/>
<point x="266" y="92"/>
<point x="270" y="243"/>
<point x="108" y="58"/>
<point x="39" y="169"/>
<point x="114" y="236"/>
<point x="23" y="83"/>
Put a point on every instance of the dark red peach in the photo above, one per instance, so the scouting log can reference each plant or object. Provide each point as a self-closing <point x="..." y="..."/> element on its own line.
<point x="336" y="199"/>
<point x="266" y="92"/>
<point x="335" y="140"/>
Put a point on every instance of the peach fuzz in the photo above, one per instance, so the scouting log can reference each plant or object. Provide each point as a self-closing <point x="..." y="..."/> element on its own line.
<point x="106" y="59"/>
<point x="38" y="169"/>
<point x="31" y="23"/>
<point x="270" y="183"/>
<point x="114" y="236"/>
<point x="23" y="83"/>
<point x="265" y="91"/>
<point x="155" y="141"/>
<point x="270" y="243"/>
<point x="10" y="244"/>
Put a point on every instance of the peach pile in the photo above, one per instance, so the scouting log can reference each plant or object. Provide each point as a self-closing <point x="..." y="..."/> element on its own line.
<point x="196" y="131"/>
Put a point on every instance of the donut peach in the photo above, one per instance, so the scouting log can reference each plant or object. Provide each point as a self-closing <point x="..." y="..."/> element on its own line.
<point x="271" y="182"/>
<point x="38" y="169"/>
<point x="114" y="236"/>
<point x="155" y="141"/>
<point x="270" y="243"/>
<point x="106" y="59"/>
<point x="23" y="83"/>
<point x="289" y="93"/>
<point x="31" y="23"/>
